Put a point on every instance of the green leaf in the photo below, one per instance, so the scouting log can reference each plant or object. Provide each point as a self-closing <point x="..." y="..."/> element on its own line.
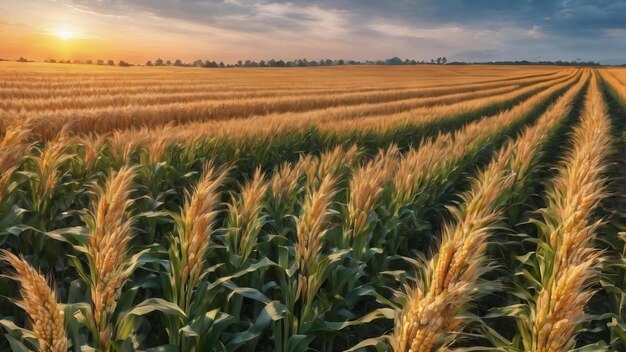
<point x="271" y="312"/>
<point x="79" y="234"/>
<point x="247" y="292"/>
<point x="252" y="268"/>
<point x="16" y="345"/>
<point x="164" y="348"/>
<point x="14" y="329"/>
<point x="299" y="343"/>
<point x="381" y="313"/>
<point x="373" y="342"/>
<point x="157" y="304"/>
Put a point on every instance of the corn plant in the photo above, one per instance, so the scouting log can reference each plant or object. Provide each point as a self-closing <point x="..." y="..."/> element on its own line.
<point x="562" y="270"/>
<point x="45" y="314"/>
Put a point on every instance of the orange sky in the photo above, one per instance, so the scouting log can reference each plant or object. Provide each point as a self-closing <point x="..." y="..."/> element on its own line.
<point x="34" y="31"/>
<point x="40" y="45"/>
<point x="29" y="29"/>
<point x="140" y="30"/>
<point x="231" y="30"/>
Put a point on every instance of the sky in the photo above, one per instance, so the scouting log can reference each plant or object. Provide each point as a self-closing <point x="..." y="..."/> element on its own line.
<point x="231" y="30"/>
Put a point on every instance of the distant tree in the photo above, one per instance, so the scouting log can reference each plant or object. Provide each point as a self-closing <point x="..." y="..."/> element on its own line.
<point x="149" y="63"/>
<point x="21" y="59"/>
<point x="197" y="63"/>
<point x="77" y="61"/>
<point x="100" y="62"/>
<point x="52" y="61"/>
<point x="178" y="62"/>
<point x="89" y="62"/>
<point x="394" y="61"/>
<point x="222" y="64"/>
<point x="111" y="63"/>
<point x="329" y="62"/>
<point x="340" y="62"/>
<point x="239" y="63"/>
<point x="168" y="63"/>
<point x="123" y="63"/>
<point x="158" y="62"/>
<point x="444" y="60"/>
<point x="432" y="61"/>
<point x="262" y="63"/>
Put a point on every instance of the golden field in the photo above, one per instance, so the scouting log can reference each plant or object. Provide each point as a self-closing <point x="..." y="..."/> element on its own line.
<point x="362" y="208"/>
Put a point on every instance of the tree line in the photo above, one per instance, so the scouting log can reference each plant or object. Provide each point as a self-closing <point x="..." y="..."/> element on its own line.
<point x="261" y="63"/>
<point x="91" y="62"/>
<point x="310" y="63"/>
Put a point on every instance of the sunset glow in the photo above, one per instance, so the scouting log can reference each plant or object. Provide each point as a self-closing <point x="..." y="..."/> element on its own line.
<point x="65" y="33"/>
<point x="231" y="30"/>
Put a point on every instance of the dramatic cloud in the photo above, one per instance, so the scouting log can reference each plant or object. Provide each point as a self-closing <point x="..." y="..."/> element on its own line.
<point x="351" y="29"/>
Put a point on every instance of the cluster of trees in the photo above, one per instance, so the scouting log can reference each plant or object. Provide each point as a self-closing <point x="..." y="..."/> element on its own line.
<point x="90" y="62"/>
<point x="557" y="63"/>
<point x="251" y="63"/>
<point x="398" y="61"/>
<point x="293" y="63"/>
<point x="307" y="63"/>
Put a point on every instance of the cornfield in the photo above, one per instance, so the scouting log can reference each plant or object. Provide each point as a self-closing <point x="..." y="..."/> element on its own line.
<point x="417" y="208"/>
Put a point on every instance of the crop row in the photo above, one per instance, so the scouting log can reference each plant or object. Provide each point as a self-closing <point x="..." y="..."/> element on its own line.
<point x="284" y="256"/>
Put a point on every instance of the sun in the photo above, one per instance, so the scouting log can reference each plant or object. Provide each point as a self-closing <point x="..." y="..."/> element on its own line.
<point x="65" y="33"/>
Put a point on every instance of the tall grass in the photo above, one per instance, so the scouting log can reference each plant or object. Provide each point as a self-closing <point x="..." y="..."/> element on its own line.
<point x="109" y="259"/>
<point x="366" y="189"/>
<point x="12" y="148"/>
<point x="334" y="190"/>
<point x="245" y="219"/>
<point x="434" y="312"/>
<point x="189" y="247"/>
<point x="311" y="227"/>
<point x="38" y="300"/>
<point x="566" y="262"/>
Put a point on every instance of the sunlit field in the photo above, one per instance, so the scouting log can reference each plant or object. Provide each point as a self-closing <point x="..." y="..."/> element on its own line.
<point x="362" y="208"/>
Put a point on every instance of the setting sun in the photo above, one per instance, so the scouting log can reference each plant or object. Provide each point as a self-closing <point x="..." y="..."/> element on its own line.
<point x="65" y="33"/>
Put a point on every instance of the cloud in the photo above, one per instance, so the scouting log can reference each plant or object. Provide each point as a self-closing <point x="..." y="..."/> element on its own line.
<point x="535" y="32"/>
<point x="372" y="28"/>
<point x="619" y="33"/>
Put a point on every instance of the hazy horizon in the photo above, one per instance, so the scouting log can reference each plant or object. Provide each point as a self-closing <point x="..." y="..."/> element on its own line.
<point x="231" y="30"/>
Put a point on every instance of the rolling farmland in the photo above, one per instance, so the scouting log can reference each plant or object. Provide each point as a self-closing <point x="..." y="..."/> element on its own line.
<point x="360" y="208"/>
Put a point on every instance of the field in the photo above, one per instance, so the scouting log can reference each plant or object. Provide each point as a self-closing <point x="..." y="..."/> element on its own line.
<point x="362" y="208"/>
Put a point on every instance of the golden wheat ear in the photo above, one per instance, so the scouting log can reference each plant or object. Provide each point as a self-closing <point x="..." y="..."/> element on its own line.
<point x="38" y="300"/>
<point x="108" y="247"/>
<point x="196" y="227"/>
<point x="570" y="230"/>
